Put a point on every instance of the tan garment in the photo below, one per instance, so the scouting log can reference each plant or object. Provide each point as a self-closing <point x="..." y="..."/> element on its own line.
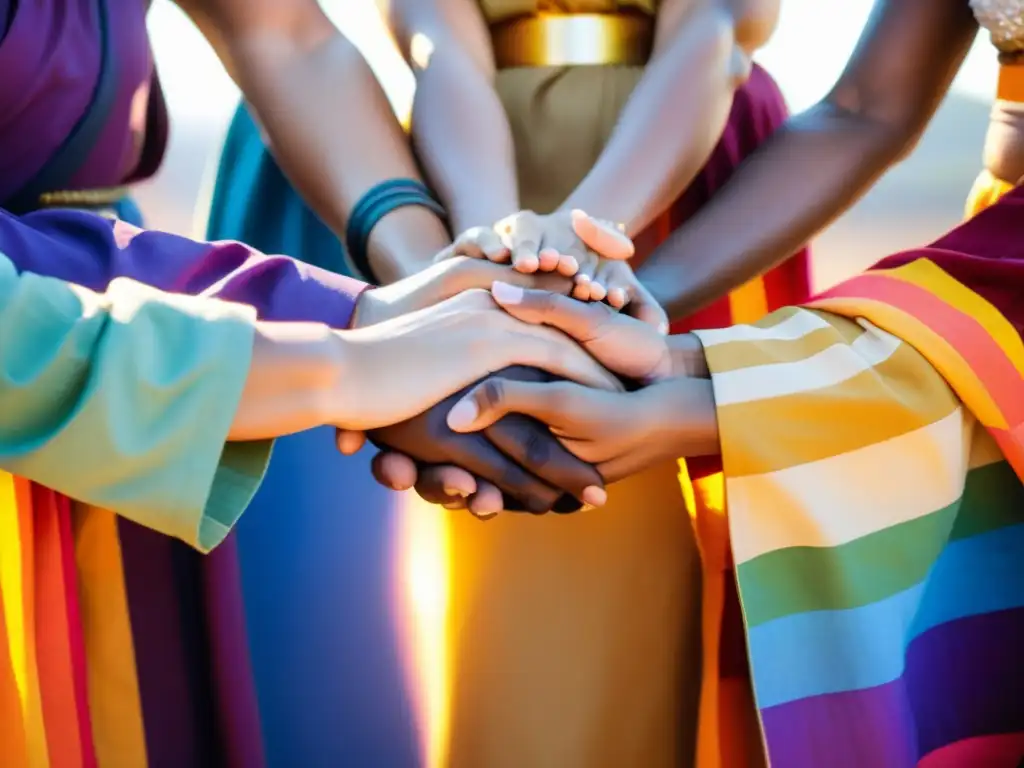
<point x="576" y="637"/>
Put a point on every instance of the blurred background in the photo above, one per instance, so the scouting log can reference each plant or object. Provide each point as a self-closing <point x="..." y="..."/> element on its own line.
<point x="915" y="202"/>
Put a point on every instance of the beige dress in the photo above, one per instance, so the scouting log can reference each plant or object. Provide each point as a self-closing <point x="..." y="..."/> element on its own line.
<point x="575" y="638"/>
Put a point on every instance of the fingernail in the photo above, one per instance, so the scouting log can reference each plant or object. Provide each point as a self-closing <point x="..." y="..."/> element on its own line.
<point x="488" y="515"/>
<point x="455" y="492"/>
<point x="527" y="264"/>
<point x="578" y="215"/>
<point x="453" y="505"/>
<point x="570" y="263"/>
<point x="594" y="495"/>
<point x="462" y="414"/>
<point x="505" y="293"/>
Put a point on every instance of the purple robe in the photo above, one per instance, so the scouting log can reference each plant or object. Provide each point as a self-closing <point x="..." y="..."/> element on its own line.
<point x="188" y="628"/>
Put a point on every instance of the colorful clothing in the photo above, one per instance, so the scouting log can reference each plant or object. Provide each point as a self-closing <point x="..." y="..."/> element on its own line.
<point x="123" y="646"/>
<point x="120" y="646"/>
<point x="374" y="537"/>
<point x="877" y="555"/>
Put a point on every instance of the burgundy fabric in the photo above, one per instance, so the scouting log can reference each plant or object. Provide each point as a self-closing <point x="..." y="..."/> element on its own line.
<point x="985" y="253"/>
<point x="757" y="111"/>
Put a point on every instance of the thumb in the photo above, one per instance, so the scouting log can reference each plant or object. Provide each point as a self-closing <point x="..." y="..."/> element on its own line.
<point x="602" y="238"/>
<point x="488" y="402"/>
<point x="644" y="307"/>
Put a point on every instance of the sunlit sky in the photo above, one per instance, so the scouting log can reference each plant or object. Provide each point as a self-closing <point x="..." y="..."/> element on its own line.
<point x="812" y="43"/>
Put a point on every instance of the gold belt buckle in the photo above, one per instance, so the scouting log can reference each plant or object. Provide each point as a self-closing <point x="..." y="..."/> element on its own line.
<point x="576" y="39"/>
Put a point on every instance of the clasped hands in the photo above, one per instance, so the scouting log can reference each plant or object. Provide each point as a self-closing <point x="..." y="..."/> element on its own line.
<point x="546" y="443"/>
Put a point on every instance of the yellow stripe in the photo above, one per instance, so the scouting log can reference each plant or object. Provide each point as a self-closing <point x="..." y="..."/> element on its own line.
<point x="943" y="357"/>
<point x="16" y="582"/>
<point x="13" y="749"/>
<point x="895" y="397"/>
<point x="985" y="450"/>
<point x="114" y="702"/>
<point x="863" y="491"/>
<point x="749" y="302"/>
<point x="734" y="355"/>
<point x="930" y="276"/>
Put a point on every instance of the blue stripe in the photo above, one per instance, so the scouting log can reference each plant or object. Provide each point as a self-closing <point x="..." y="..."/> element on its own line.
<point x="823" y="652"/>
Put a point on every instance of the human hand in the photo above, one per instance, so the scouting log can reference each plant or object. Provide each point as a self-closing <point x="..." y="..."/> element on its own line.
<point x="516" y="455"/>
<point x="620" y="433"/>
<point x="622" y="344"/>
<point x="593" y="252"/>
<point x="534" y="242"/>
<point x="442" y="281"/>
<point x="390" y="372"/>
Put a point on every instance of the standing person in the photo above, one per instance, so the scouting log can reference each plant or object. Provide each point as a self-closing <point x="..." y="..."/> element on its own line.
<point x="824" y="159"/>
<point x="637" y="112"/>
<point x="346" y="540"/>
<point x="123" y="646"/>
<point x="873" y="451"/>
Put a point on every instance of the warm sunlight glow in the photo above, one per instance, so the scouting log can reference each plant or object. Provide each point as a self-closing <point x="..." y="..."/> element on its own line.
<point x="421" y="48"/>
<point x="423" y="582"/>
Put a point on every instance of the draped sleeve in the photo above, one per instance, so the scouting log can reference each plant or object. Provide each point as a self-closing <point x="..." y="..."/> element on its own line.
<point x="121" y="395"/>
<point x="873" y="452"/>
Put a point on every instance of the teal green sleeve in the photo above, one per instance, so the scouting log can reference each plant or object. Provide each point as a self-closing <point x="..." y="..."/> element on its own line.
<point x="124" y="400"/>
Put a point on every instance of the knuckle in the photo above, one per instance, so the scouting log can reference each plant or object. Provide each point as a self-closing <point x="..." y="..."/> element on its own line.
<point x="537" y="448"/>
<point x="492" y="393"/>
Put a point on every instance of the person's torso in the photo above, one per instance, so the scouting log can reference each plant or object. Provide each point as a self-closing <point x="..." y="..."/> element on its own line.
<point x="50" y="60"/>
<point x="561" y="116"/>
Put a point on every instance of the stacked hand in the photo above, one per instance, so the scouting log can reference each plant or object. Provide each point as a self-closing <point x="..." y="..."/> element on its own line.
<point x="619" y="432"/>
<point x="593" y="253"/>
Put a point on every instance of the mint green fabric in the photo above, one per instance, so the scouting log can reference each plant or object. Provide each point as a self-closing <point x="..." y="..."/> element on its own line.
<point x="124" y="400"/>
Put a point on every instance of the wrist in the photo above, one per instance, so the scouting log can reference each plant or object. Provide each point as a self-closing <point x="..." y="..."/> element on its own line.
<point x="405" y="242"/>
<point x="292" y="383"/>
<point x="687" y="356"/>
<point x="691" y="418"/>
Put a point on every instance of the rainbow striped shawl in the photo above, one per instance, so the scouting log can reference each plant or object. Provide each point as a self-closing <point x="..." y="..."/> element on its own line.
<point x="873" y="454"/>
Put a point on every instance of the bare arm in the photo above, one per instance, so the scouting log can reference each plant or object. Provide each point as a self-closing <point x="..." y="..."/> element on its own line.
<point x="821" y="161"/>
<point x="459" y="124"/>
<point x="678" y="111"/>
<point x="327" y="118"/>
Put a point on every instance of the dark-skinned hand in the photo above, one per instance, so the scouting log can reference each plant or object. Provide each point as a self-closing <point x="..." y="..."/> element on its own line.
<point x="517" y="455"/>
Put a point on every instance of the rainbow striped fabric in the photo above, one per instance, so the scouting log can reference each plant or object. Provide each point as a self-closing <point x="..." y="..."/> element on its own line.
<point x="878" y="554"/>
<point x="123" y="646"/>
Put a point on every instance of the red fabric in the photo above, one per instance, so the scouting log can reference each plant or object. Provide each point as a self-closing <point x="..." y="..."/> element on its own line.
<point x="757" y="111"/>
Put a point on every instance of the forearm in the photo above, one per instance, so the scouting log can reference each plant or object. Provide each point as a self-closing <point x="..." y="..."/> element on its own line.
<point x="814" y="168"/>
<point x="92" y="251"/>
<point x="463" y="137"/>
<point x="291" y="381"/>
<point x="668" y="127"/>
<point x="332" y="129"/>
<point x="821" y="161"/>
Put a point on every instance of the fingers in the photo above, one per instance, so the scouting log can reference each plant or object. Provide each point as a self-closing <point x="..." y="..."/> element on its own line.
<point x="521" y="235"/>
<point x="349" y="442"/>
<point x="495" y="398"/>
<point x="533" y="447"/>
<point x="643" y="307"/>
<point x="394" y="470"/>
<point x="486" y="462"/>
<point x="581" y="321"/>
<point x="446" y="485"/>
<point x="481" y="243"/>
<point x="602" y="237"/>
